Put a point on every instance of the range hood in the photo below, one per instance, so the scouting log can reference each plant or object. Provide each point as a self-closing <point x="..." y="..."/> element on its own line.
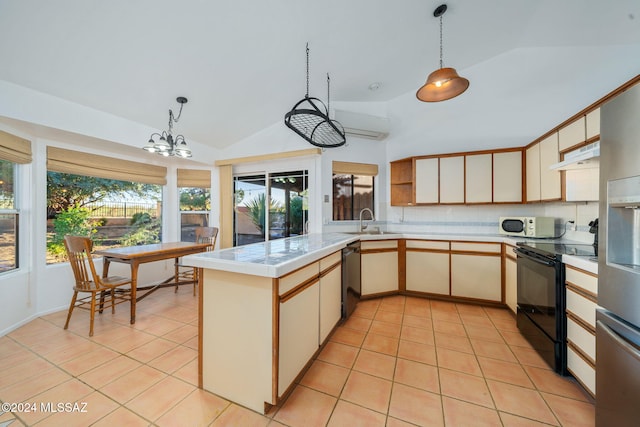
<point x="583" y="158"/>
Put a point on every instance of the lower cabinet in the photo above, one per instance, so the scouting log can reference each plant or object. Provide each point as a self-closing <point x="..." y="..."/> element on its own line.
<point x="330" y="299"/>
<point x="476" y="270"/>
<point x="582" y="293"/>
<point x="299" y="317"/>
<point x="511" y="279"/>
<point x="310" y="308"/>
<point x="427" y="267"/>
<point x="379" y="266"/>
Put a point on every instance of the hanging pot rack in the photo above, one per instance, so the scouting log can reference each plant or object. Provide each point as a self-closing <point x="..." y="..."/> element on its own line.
<point x="309" y="118"/>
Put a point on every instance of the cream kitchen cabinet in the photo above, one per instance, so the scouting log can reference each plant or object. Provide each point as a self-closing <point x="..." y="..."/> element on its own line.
<point x="330" y="294"/>
<point x="476" y="270"/>
<point x="427" y="180"/>
<point x="549" y="179"/>
<point x="510" y="278"/>
<point x="427" y="268"/>
<point x="543" y="183"/>
<point x="593" y="124"/>
<point x="478" y="178"/>
<point x="379" y="263"/>
<point x="573" y="134"/>
<point x="579" y="131"/>
<point x="507" y="177"/>
<point x="533" y="173"/>
<point x="299" y="317"/>
<point x="582" y="294"/>
<point x="452" y="179"/>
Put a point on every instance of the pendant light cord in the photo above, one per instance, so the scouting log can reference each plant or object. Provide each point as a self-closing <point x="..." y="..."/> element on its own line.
<point x="307" y="69"/>
<point x="441" y="66"/>
<point x="328" y="93"/>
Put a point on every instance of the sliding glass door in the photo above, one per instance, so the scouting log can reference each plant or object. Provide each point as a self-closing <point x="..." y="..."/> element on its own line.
<point x="270" y="206"/>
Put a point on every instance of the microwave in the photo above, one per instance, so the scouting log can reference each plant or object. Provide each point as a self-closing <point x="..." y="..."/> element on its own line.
<point x="531" y="226"/>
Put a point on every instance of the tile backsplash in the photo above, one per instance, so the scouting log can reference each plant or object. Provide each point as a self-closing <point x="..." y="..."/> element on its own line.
<point x="477" y="219"/>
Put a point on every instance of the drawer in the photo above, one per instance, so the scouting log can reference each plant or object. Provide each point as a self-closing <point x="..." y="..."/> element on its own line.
<point x="584" y="372"/>
<point x="581" y="338"/>
<point x="378" y="244"/>
<point x="582" y="279"/>
<point x="582" y="307"/>
<point x="298" y="277"/>
<point x="494" y="248"/>
<point x="428" y="244"/>
<point x="330" y="260"/>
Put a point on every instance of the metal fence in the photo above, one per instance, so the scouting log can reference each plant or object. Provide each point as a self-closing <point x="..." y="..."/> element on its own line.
<point x="122" y="209"/>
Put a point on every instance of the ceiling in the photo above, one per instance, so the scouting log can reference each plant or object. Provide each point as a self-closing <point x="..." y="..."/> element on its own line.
<point x="241" y="63"/>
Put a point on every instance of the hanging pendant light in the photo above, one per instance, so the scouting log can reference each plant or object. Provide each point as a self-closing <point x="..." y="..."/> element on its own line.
<point x="444" y="83"/>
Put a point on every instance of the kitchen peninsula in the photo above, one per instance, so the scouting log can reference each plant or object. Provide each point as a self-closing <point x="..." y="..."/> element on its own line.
<point x="265" y="309"/>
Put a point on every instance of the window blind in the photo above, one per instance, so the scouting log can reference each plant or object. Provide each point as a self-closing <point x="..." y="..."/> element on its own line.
<point x="78" y="163"/>
<point x="14" y="149"/>
<point x="350" y="168"/>
<point x="194" y="178"/>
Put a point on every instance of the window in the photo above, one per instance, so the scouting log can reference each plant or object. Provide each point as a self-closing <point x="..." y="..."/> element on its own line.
<point x="194" y="190"/>
<point x="14" y="151"/>
<point x="287" y="212"/>
<point x="87" y="195"/>
<point x="353" y="189"/>
<point x="9" y="218"/>
<point x="114" y="213"/>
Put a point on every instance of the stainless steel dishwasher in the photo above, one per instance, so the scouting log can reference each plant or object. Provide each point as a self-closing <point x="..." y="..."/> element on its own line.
<point x="351" y="286"/>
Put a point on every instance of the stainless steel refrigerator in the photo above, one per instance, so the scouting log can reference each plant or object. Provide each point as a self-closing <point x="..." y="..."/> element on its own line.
<point x="618" y="319"/>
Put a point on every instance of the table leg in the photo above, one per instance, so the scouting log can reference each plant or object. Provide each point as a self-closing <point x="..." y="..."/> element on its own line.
<point x="134" y="287"/>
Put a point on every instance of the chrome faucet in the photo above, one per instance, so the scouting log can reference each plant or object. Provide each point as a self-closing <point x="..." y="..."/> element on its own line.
<point x="364" y="227"/>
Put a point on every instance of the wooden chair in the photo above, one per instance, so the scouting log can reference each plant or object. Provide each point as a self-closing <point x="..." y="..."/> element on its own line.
<point x="89" y="281"/>
<point x="203" y="235"/>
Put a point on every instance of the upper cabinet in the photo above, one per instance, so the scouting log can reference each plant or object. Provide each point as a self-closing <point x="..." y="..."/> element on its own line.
<point x="451" y="179"/>
<point x="474" y="177"/>
<point x="573" y="134"/>
<point x="478" y="180"/>
<point x="593" y="124"/>
<point x="402" y="182"/>
<point x="533" y="173"/>
<point x="507" y="177"/>
<point x="543" y="183"/>
<point x="550" y="182"/>
<point x="427" y="175"/>
<point x="582" y="130"/>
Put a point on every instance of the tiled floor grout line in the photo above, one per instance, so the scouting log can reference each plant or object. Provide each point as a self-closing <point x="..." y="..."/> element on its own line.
<point x="435" y="313"/>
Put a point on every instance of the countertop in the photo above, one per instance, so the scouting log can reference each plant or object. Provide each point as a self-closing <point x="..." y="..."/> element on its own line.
<point x="274" y="258"/>
<point x="279" y="257"/>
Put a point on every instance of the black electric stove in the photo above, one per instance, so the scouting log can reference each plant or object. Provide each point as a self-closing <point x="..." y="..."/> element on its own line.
<point x="541" y="297"/>
<point x="556" y="249"/>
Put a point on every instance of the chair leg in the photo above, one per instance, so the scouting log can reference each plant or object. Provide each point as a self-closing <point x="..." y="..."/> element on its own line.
<point x="93" y="312"/>
<point x="101" y="302"/>
<point x="71" y="307"/>
<point x="113" y="301"/>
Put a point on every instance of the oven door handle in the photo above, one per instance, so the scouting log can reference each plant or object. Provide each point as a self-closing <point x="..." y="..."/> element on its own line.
<point x="548" y="263"/>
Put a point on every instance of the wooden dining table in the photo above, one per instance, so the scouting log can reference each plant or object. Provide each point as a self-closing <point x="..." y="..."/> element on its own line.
<point x="136" y="255"/>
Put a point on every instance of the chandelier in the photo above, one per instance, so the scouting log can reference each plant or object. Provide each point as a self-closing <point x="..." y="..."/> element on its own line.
<point x="166" y="144"/>
<point x="443" y="83"/>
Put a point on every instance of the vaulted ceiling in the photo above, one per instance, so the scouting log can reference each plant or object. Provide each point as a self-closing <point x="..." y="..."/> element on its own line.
<point x="241" y="63"/>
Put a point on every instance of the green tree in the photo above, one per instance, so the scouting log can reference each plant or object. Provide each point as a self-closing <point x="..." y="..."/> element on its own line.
<point x="195" y="199"/>
<point x="6" y="184"/>
<point x="66" y="190"/>
<point x="75" y="220"/>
